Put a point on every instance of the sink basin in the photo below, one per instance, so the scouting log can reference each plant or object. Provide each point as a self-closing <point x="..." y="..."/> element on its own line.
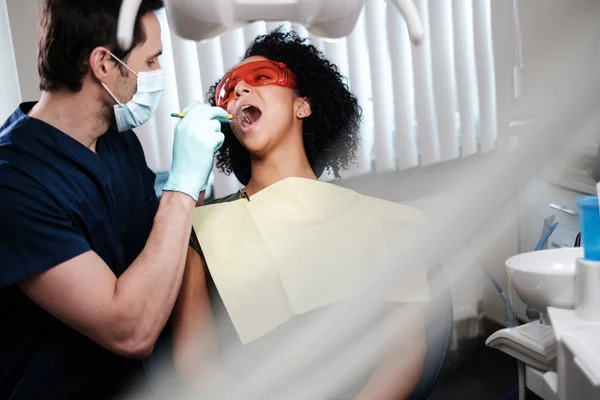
<point x="545" y="278"/>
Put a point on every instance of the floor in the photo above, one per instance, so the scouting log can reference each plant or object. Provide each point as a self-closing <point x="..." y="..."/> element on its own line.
<point x="476" y="372"/>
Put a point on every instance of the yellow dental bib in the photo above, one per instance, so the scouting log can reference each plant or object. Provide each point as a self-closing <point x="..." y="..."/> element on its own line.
<point x="299" y="245"/>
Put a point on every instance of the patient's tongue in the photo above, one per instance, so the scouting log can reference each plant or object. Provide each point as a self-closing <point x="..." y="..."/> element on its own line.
<point x="252" y="114"/>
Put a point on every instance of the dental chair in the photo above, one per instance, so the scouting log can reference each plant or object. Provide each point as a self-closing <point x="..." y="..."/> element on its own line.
<point x="439" y="328"/>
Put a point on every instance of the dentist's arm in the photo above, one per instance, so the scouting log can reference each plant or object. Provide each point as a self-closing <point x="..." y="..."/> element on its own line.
<point x="126" y="314"/>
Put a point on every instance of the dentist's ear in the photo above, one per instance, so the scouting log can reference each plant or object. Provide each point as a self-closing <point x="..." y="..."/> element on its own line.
<point x="303" y="109"/>
<point x="101" y="63"/>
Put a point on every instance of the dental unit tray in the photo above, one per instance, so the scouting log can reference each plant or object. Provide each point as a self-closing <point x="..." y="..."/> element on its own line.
<point x="202" y="20"/>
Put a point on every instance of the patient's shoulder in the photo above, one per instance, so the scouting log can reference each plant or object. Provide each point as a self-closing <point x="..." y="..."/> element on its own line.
<point x="226" y="199"/>
<point x="194" y="242"/>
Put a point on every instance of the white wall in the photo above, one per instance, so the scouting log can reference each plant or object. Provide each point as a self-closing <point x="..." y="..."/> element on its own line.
<point x="11" y="92"/>
<point x="560" y="43"/>
<point x="24" y="16"/>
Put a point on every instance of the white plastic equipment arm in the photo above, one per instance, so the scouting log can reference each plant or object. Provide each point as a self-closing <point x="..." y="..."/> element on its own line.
<point x="126" y="25"/>
<point x="203" y="19"/>
<point x="409" y="11"/>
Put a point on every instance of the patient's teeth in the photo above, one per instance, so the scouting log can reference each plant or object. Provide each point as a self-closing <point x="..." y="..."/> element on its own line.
<point x="246" y="116"/>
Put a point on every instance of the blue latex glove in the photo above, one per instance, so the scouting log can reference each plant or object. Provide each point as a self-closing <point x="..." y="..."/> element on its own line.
<point x="197" y="137"/>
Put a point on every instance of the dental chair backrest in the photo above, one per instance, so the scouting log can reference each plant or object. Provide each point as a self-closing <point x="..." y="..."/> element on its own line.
<point x="202" y="20"/>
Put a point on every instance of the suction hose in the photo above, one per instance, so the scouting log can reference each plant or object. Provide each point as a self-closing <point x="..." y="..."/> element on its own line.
<point x="545" y="236"/>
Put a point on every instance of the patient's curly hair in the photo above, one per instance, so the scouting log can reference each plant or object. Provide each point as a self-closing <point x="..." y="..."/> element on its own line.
<point x="331" y="132"/>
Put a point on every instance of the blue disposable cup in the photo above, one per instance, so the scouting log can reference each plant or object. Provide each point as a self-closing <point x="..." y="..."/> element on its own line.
<point x="589" y="221"/>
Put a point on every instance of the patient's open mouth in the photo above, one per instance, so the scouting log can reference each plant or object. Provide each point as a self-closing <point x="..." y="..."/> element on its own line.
<point x="249" y="115"/>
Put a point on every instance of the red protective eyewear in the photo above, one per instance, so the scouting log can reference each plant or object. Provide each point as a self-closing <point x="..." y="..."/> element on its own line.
<point x="256" y="73"/>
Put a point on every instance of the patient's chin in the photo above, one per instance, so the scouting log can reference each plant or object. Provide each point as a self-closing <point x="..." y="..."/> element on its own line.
<point x="257" y="145"/>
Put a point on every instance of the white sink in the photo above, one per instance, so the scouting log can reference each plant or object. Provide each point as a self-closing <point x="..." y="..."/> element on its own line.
<point x="545" y="278"/>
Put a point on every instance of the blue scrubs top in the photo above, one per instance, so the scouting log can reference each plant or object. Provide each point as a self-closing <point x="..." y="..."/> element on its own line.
<point x="59" y="200"/>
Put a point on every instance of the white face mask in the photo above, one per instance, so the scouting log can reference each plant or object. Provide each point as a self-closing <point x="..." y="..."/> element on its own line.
<point x="150" y="87"/>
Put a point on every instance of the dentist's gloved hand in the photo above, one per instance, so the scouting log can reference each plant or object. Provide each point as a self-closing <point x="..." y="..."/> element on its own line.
<point x="197" y="137"/>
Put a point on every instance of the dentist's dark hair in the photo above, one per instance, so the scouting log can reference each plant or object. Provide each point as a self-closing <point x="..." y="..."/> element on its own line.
<point x="70" y="30"/>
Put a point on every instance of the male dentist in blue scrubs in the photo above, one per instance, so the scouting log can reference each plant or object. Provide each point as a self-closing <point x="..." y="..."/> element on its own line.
<point x="90" y="261"/>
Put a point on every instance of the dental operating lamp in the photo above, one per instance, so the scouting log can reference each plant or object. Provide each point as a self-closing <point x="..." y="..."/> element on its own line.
<point x="202" y="20"/>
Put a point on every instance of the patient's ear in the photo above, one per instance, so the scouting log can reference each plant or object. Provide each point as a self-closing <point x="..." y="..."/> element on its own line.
<point x="303" y="109"/>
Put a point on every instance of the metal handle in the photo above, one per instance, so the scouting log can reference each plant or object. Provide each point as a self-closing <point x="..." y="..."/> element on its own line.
<point x="564" y="209"/>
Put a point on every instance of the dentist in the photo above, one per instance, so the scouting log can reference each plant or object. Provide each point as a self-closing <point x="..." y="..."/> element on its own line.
<point x="91" y="262"/>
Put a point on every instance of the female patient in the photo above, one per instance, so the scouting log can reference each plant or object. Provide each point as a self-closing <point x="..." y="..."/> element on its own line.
<point x="294" y="117"/>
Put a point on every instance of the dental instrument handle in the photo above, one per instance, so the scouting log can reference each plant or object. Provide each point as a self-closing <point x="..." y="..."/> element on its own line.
<point x="221" y="120"/>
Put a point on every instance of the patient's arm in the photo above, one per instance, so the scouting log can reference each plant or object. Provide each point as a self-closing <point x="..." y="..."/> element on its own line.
<point x="195" y="349"/>
<point x="398" y="374"/>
